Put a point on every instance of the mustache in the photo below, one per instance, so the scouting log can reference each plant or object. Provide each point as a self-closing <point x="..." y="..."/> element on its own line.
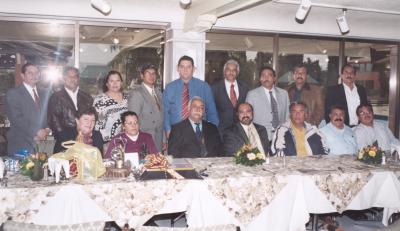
<point x="339" y="120"/>
<point x="197" y="113"/>
<point x="245" y="117"/>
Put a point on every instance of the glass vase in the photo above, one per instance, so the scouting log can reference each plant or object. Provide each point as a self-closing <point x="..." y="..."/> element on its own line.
<point x="37" y="171"/>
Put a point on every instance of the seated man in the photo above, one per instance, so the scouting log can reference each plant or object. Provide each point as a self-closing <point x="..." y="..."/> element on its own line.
<point x="370" y="131"/>
<point x="338" y="136"/>
<point x="83" y="132"/>
<point x="245" y="132"/>
<point x="297" y="137"/>
<point x="194" y="137"/>
<point x="134" y="139"/>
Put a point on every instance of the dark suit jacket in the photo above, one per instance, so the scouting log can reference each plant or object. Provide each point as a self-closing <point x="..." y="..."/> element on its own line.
<point x="25" y="118"/>
<point x="71" y="134"/>
<point x="61" y="112"/>
<point x="225" y="109"/>
<point x="183" y="143"/>
<point x="335" y="95"/>
<point x="235" y="137"/>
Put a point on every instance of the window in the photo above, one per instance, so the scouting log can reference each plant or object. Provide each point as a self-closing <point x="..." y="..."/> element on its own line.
<point x="124" y="49"/>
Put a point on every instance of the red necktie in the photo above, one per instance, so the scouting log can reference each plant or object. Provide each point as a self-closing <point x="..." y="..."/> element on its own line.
<point x="232" y="95"/>
<point x="185" y="102"/>
<point x="37" y="100"/>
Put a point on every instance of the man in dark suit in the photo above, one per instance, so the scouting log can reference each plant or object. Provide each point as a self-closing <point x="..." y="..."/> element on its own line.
<point x="245" y="132"/>
<point x="228" y="93"/>
<point x="26" y="108"/>
<point x="65" y="104"/>
<point x="348" y="95"/>
<point x="146" y="101"/>
<point x="194" y="137"/>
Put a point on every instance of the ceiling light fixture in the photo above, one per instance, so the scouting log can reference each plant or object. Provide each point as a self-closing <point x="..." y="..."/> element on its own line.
<point x="185" y="4"/>
<point x="115" y="40"/>
<point x="303" y="10"/>
<point x="102" y="6"/>
<point x="342" y="23"/>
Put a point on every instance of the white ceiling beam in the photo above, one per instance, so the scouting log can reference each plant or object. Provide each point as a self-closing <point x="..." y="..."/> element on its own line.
<point x="203" y="14"/>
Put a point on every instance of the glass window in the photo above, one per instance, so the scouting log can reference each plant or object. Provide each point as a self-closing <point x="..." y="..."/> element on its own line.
<point x="50" y="46"/>
<point x="371" y="61"/>
<point x="124" y="49"/>
<point x="321" y="58"/>
<point x="250" y="51"/>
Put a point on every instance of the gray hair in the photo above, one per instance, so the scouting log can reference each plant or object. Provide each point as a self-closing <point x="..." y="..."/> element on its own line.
<point x="232" y="61"/>
<point x="194" y="99"/>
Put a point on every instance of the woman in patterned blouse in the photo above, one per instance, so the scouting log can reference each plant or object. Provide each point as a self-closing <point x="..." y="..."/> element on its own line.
<point x="110" y="105"/>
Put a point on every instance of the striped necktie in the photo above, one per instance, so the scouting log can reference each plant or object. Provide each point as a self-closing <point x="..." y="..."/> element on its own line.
<point x="185" y="102"/>
<point x="274" y="109"/>
<point x="232" y="95"/>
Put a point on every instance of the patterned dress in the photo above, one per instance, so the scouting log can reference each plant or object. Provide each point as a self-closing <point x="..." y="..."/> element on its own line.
<point x="109" y="113"/>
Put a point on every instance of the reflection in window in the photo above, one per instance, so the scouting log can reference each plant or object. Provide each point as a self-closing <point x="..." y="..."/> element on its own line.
<point x="50" y="46"/>
<point x="252" y="52"/>
<point x="371" y="61"/>
<point x="123" y="49"/>
<point x="319" y="56"/>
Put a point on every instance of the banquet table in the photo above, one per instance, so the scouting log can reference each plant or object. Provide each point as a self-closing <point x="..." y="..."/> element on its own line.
<point x="275" y="196"/>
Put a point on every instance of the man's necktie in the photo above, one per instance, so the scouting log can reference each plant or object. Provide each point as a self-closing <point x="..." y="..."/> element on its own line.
<point x="185" y="102"/>
<point x="274" y="109"/>
<point x="198" y="131"/>
<point x="156" y="99"/>
<point x="37" y="100"/>
<point x="251" y="136"/>
<point x="232" y="95"/>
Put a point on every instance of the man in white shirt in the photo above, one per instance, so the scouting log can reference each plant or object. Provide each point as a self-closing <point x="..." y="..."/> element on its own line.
<point x="348" y="95"/>
<point x="338" y="136"/>
<point x="270" y="103"/>
<point x="65" y="104"/>
<point x="26" y="108"/>
<point x="228" y="93"/>
<point x="370" y="131"/>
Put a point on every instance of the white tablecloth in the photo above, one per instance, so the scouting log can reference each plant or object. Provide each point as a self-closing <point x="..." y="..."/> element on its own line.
<point x="271" y="196"/>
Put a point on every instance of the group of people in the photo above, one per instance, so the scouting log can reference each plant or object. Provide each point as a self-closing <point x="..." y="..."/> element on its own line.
<point x="192" y="119"/>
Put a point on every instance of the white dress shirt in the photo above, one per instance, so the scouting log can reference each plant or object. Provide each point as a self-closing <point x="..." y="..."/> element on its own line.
<point x="273" y="93"/>
<point x="148" y="88"/>
<point x="74" y="96"/>
<point x="30" y="90"/>
<point x="353" y="100"/>
<point x="366" y="135"/>
<point x="255" y="133"/>
<point x="228" y="88"/>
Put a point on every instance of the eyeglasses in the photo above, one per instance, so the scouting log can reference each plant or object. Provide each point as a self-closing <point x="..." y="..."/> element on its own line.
<point x="363" y="113"/>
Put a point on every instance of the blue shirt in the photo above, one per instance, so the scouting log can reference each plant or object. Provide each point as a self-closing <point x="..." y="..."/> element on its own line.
<point x="172" y="100"/>
<point x="339" y="141"/>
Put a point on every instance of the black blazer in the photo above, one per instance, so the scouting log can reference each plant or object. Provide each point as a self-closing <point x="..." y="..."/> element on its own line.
<point x="225" y="109"/>
<point x="335" y="95"/>
<point x="71" y="134"/>
<point x="235" y="137"/>
<point x="183" y="143"/>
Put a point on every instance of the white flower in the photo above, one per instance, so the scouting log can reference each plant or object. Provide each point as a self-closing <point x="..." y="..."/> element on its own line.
<point x="251" y="156"/>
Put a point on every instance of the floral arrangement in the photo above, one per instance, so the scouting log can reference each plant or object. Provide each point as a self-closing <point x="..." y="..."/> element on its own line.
<point x="371" y="154"/>
<point x="249" y="156"/>
<point x="27" y="165"/>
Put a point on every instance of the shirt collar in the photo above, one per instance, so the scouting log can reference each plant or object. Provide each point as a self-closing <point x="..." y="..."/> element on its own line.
<point x="148" y="88"/>
<point x="347" y="88"/>
<point x="227" y="83"/>
<point x="29" y="88"/>
<point x="72" y="92"/>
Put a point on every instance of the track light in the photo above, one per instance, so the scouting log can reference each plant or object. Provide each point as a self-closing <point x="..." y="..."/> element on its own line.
<point x="185" y="4"/>
<point x="303" y="10"/>
<point x="102" y="6"/>
<point x="342" y="23"/>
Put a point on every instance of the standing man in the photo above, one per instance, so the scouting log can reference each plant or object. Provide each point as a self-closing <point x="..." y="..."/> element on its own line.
<point x="310" y="94"/>
<point x="194" y="137"/>
<point x="26" y="108"/>
<point x="228" y="93"/>
<point x="146" y="101"/>
<point x="270" y="103"/>
<point x="369" y="131"/>
<point x="297" y="137"/>
<point x="245" y="132"/>
<point x="65" y="104"/>
<point x="348" y="95"/>
<point x="178" y="93"/>
<point x="338" y="136"/>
